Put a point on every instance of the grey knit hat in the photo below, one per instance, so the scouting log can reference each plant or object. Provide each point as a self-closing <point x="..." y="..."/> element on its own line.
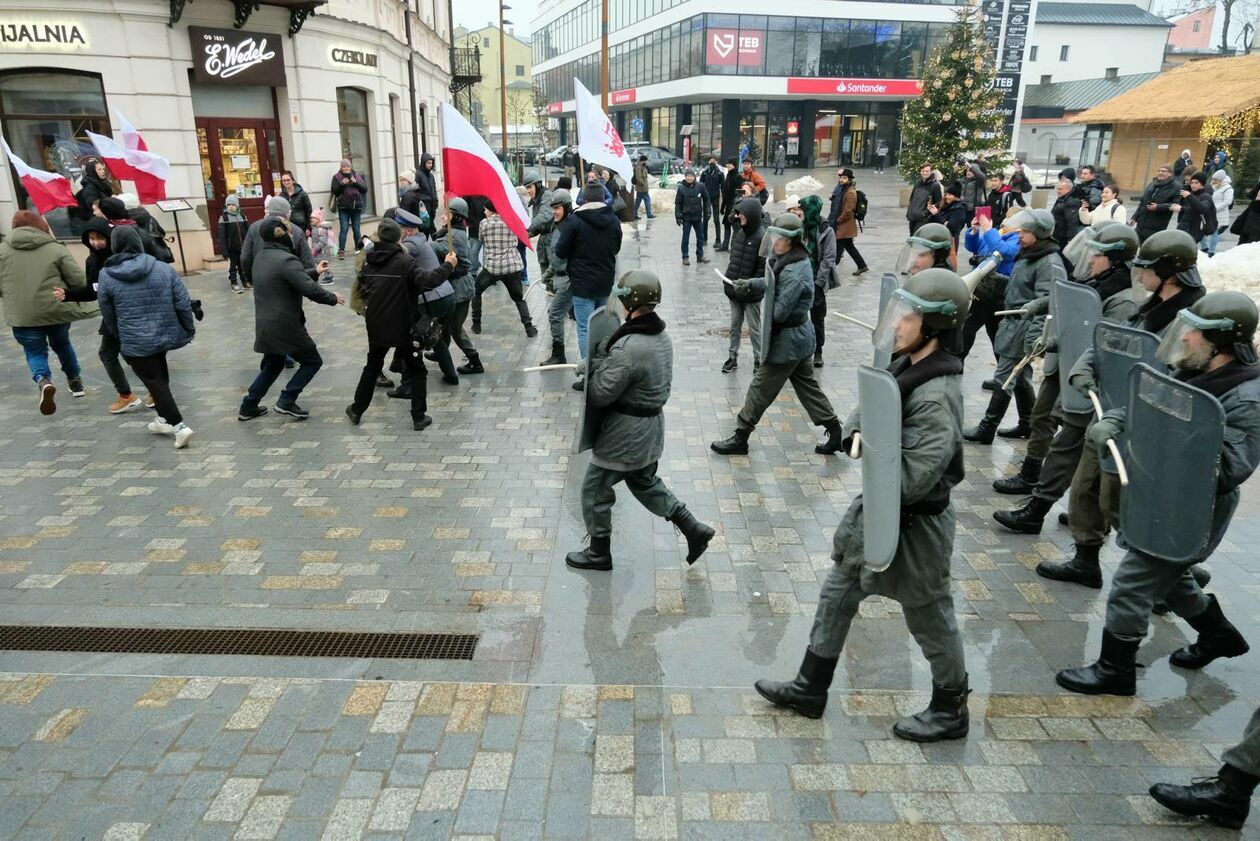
<point x="278" y="206"/>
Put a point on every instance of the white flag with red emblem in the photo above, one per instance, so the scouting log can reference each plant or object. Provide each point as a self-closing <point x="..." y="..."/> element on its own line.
<point x="131" y="161"/>
<point x="471" y="169"/>
<point x="47" y="190"/>
<point x="598" y="142"/>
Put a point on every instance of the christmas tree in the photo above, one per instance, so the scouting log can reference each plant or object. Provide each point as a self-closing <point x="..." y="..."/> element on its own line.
<point x="957" y="113"/>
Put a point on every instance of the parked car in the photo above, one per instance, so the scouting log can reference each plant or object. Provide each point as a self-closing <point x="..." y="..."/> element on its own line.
<point x="530" y="154"/>
<point x="657" y="156"/>
<point x="556" y="156"/>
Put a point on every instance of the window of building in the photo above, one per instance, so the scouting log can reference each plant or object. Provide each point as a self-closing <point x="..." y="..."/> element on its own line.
<point x="1032" y="53"/>
<point x="520" y="70"/>
<point x="45" y="116"/>
<point x="485" y="41"/>
<point x="1063" y="53"/>
<point x="1111" y="73"/>
<point x="1196" y="25"/>
<point x="356" y="138"/>
<point x="1045" y="79"/>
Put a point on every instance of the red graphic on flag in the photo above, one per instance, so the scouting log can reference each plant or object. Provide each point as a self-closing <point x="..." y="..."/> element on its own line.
<point x="613" y="144"/>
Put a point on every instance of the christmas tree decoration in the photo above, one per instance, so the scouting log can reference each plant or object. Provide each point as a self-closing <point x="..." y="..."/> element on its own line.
<point x="961" y="67"/>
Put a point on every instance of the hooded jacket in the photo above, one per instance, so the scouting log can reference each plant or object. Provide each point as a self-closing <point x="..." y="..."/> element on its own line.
<point x="299" y="207"/>
<point x="973" y="192"/>
<point x="280" y="284"/>
<point x="32" y="264"/>
<point x="232" y="230"/>
<point x="730" y="190"/>
<point x="95" y="260"/>
<point x="92" y="189"/>
<point x="390" y="283"/>
<point x="993" y="241"/>
<point x="746" y="260"/>
<point x="1223" y="198"/>
<point x="590" y="241"/>
<point x="426" y="184"/>
<point x="143" y="301"/>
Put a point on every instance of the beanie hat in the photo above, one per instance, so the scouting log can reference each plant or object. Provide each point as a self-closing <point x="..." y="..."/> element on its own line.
<point x="388" y="231"/>
<point x="689" y="171"/>
<point x="233" y="200"/>
<point x="592" y="193"/>
<point x="278" y="206"/>
<point x="113" y="209"/>
<point x="408" y="175"/>
<point x="954" y="190"/>
<point x="345" y="162"/>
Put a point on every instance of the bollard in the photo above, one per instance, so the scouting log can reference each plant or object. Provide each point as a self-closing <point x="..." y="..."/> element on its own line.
<point x="780" y="192"/>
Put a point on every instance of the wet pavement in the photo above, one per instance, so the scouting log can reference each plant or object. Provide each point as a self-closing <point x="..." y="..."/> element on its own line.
<point x="617" y="705"/>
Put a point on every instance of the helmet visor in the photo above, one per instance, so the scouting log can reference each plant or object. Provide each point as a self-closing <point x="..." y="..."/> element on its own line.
<point x="1084" y="268"/>
<point x="916" y="255"/>
<point x="773" y="236"/>
<point x="900" y="325"/>
<point x="1184" y="347"/>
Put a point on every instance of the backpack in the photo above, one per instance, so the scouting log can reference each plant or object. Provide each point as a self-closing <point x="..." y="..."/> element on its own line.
<point x="859" y="209"/>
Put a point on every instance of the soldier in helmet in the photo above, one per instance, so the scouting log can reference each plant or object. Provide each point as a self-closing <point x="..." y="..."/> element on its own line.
<point x="1208" y="346"/>
<point x="630" y="380"/>
<point x="540" y="216"/>
<point x="1037" y="266"/>
<point x="918" y="325"/>
<point x="926" y="248"/>
<point x="556" y="277"/>
<point x="456" y="233"/>
<point x="790" y="340"/>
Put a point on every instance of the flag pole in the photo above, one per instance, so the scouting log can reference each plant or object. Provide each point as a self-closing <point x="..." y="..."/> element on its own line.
<point x="503" y="89"/>
<point x="603" y="54"/>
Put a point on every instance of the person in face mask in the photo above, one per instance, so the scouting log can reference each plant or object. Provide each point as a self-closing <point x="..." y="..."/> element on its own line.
<point x="920" y="327"/>
<point x="1208" y="345"/>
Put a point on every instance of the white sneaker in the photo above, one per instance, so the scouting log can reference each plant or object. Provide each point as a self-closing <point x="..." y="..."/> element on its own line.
<point x="161" y="427"/>
<point x="182" y="433"/>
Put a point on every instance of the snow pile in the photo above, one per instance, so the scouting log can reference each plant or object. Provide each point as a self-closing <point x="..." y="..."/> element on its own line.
<point x="662" y="200"/>
<point x="1237" y="269"/>
<point x="805" y="184"/>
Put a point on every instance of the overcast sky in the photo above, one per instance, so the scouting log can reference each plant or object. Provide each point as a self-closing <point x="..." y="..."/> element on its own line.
<point x="475" y="14"/>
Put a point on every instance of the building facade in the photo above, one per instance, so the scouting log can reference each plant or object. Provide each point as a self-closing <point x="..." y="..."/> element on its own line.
<point x="231" y="95"/>
<point x="1192" y="30"/>
<point x="1076" y="41"/>
<point x="518" y="75"/>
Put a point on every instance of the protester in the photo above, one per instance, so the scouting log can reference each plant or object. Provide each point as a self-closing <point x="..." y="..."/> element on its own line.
<point x="820" y="244"/>
<point x="33" y="264"/>
<point x="96" y="183"/>
<point x="454" y="237"/>
<point x="282" y="281"/>
<point x="753" y="177"/>
<point x="691" y="212"/>
<point x="348" y="189"/>
<point x="115" y="212"/>
<point x="557" y="278"/>
<point x="232" y="229"/>
<point x="747" y="263"/>
<point x="1223" y="199"/>
<point x="1066" y="211"/>
<point x="927" y="191"/>
<point x="145" y="304"/>
<point x="642" y="183"/>
<point x="276" y="208"/>
<point x="1154" y="210"/>
<point x="299" y="202"/>
<point x="437" y="302"/>
<point x="501" y="263"/>
<point x="730" y="195"/>
<point x="1196" y="212"/>
<point x="712" y="178"/>
<point x="590" y="242"/>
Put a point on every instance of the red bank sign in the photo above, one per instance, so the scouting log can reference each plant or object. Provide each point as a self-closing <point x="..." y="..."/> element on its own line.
<point x="624" y="97"/>
<point x="855" y="87"/>
<point x="732" y="46"/>
<point x="555" y="107"/>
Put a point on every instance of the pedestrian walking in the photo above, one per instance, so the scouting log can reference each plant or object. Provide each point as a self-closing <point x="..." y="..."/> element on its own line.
<point x="393" y="287"/>
<point x="789" y="342"/>
<point x="631" y="377"/>
<point x="557" y="280"/>
<point x="881" y="155"/>
<point x="348" y="190"/>
<point x="927" y="190"/>
<point x="1223" y="199"/>
<point x="1154" y="210"/>
<point x="746" y="265"/>
<point x="642" y="183"/>
<point x="780" y="159"/>
<point x="846" y="222"/>
<point x="232" y="229"/>
<point x="590" y="242"/>
<point x="145" y="304"/>
<point x="34" y="265"/>
<point x="501" y="263"/>
<point x="279" y="323"/>
<point x="731" y="183"/>
<point x="691" y="212"/>
<point x="712" y="178"/>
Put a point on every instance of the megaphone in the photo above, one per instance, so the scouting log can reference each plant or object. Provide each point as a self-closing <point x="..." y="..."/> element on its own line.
<point x="980" y="272"/>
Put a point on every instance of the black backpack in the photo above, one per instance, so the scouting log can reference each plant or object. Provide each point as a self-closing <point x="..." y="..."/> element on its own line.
<point x="859" y="209"/>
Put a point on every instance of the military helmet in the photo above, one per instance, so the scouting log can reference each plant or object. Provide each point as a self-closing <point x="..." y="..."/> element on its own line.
<point x="561" y="197"/>
<point x="788" y="225"/>
<point x="1115" y="239"/>
<point x="1039" y="223"/>
<point x="1168" y="253"/>
<point x="637" y="288"/>
<point x="531" y="176"/>
<point x="458" y="207"/>
<point x="933" y="235"/>
<point x="1226" y="319"/>
<point x="939" y="295"/>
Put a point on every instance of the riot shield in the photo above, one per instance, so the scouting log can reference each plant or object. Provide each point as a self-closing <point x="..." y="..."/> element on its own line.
<point x="887" y="285"/>
<point x="1077" y="310"/>
<point x="600" y="326"/>
<point x="1172" y="449"/>
<point x="767" y="317"/>
<point x="1116" y="350"/>
<point x="879" y="400"/>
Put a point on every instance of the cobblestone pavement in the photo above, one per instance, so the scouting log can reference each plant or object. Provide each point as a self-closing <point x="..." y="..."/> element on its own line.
<point x="615" y="705"/>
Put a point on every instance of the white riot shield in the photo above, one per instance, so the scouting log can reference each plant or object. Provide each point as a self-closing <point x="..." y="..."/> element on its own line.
<point x="879" y="401"/>
<point x="1172" y="450"/>
<point x="1077" y="310"/>
<point x="600" y="326"/>
<point x="887" y="285"/>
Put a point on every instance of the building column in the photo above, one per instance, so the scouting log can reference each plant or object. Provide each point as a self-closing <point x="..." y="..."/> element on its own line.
<point x="684" y="118"/>
<point x="809" y="113"/>
<point x="730" y="129"/>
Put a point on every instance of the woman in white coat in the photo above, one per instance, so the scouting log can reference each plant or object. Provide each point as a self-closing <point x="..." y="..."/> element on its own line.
<point x="1109" y="210"/>
<point x="1223" y="198"/>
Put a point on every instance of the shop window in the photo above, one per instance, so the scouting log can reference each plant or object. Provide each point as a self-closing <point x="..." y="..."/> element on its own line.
<point x="356" y="139"/>
<point x="45" y="116"/>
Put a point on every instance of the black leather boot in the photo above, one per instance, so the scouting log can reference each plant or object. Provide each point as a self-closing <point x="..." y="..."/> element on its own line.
<point x="1020" y="430"/>
<point x="1083" y="569"/>
<point x="1115" y="672"/>
<point x="833" y="444"/>
<point x="557" y="355"/>
<point x="805" y="694"/>
<point x="1027" y="518"/>
<point x="736" y="445"/>
<point x="1224" y="799"/>
<point x="983" y="433"/>
<point x="596" y="556"/>
<point x="697" y="533"/>
<point x="1023" y="482"/>
<point x="1217" y="638"/>
<point x="945" y="717"/>
<point x="472" y="367"/>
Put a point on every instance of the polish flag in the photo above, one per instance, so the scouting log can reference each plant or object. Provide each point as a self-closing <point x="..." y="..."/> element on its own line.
<point x="471" y="169"/>
<point x="130" y="161"/>
<point x="47" y="190"/>
<point x="598" y="141"/>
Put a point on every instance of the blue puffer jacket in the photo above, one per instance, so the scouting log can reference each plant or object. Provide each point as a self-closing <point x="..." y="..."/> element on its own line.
<point x="143" y="301"/>
<point x="1005" y="245"/>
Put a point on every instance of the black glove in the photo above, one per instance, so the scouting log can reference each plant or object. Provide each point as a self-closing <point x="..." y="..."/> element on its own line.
<point x="197" y="311"/>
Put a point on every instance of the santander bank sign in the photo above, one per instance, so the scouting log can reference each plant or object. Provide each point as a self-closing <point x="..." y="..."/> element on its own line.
<point x="855" y="87"/>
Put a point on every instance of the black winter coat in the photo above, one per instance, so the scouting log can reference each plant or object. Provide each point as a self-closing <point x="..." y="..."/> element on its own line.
<point x="1247" y="223"/>
<point x="730" y="189"/>
<point x="590" y="239"/>
<point x="93" y="189"/>
<point x="390" y="283"/>
<point x="1162" y="193"/>
<point x="712" y="177"/>
<point x="426" y="182"/>
<point x="691" y="202"/>
<point x="300" y="204"/>
<point x="1067" y="217"/>
<point x="1198" y="214"/>
<point x="280" y="284"/>
<point x="232" y="231"/>
<point x="95" y="260"/>
<point x="746" y="260"/>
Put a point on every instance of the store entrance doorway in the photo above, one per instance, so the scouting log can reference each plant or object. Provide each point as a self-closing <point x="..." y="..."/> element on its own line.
<point x="242" y="157"/>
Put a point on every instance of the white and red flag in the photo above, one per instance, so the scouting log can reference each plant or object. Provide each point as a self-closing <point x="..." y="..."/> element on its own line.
<point x="47" y="190"/>
<point x="471" y="169"/>
<point x="131" y="160"/>
<point x="598" y="141"/>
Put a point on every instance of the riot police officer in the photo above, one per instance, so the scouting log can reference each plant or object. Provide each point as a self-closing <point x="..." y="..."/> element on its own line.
<point x="926" y="248"/>
<point x="1208" y="346"/>
<point x="630" y="379"/>
<point x="919" y="323"/>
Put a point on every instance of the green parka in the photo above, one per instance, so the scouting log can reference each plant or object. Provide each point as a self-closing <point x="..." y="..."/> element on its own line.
<point x="32" y="264"/>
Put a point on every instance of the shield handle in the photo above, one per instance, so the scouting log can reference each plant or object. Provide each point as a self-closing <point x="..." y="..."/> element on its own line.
<point x="1111" y="444"/>
<point x="855" y="449"/>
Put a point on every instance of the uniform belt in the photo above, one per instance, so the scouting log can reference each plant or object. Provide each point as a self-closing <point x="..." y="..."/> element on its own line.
<point x="926" y="507"/>
<point x="792" y="322"/>
<point x="635" y="411"/>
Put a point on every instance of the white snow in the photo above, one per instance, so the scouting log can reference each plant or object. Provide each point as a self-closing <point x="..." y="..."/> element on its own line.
<point x="1237" y="269"/>
<point x="805" y="184"/>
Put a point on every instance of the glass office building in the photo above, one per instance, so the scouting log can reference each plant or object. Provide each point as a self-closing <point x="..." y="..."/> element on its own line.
<point x="830" y="88"/>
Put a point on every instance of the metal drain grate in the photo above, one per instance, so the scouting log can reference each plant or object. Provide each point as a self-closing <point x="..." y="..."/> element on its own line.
<point x="239" y="641"/>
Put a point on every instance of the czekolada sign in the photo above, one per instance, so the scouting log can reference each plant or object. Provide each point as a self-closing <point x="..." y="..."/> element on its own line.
<point x="235" y="57"/>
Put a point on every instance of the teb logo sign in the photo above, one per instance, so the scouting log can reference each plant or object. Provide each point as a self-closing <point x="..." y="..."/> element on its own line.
<point x="728" y="47"/>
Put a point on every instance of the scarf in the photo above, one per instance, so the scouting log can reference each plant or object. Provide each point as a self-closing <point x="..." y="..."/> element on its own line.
<point x="911" y="375"/>
<point x="1157" y="314"/>
<point x="1113" y="281"/>
<point x="649" y="324"/>
<point x="1222" y="380"/>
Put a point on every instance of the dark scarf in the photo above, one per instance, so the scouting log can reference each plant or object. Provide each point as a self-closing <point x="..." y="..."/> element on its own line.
<point x="649" y="324"/>
<point x="1115" y="280"/>
<point x="1040" y="248"/>
<point x="1222" y="380"/>
<point x="781" y="261"/>
<point x="912" y="375"/>
<point x="1157" y="314"/>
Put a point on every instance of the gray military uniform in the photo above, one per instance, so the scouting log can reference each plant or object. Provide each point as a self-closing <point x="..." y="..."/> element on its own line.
<point x="1245" y="756"/>
<point x="918" y="577"/>
<point x="632" y="382"/>
<point x="562" y="293"/>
